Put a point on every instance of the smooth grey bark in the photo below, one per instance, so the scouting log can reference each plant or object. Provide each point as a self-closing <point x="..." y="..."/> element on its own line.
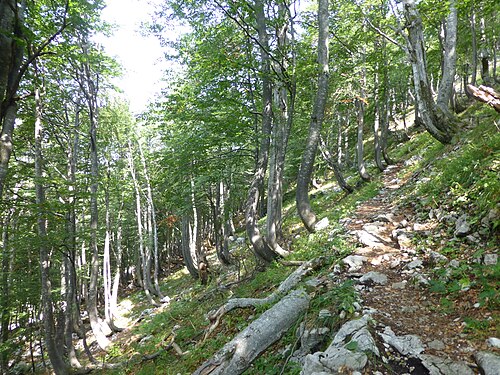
<point x="54" y="352"/>
<point x="188" y="246"/>
<point x="360" y="147"/>
<point x="438" y="123"/>
<point x="260" y="247"/>
<point x="221" y="224"/>
<point x="377" y="125"/>
<point x="238" y="354"/>
<point x="304" y="209"/>
<point x="284" y="102"/>
<point x="5" y="301"/>
<point x="72" y="310"/>
<point x="143" y="257"/>
<point x="118" y="260"/>
<point x="449" y="63"/>
<point x="89" y="86"/>
<point x="153" y="231"/>
<point x="332" y="163"/>
<point x="472" y="20"/>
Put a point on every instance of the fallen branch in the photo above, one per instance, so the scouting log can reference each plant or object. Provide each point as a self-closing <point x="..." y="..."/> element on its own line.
<point x="290" y="282"/>
<point x="238" y="354"/>
<point x="486" y="95"/>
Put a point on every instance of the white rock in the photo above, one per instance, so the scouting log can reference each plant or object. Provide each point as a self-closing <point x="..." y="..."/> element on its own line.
<point x="490" y="259"/>
<point x="322" y="224"/>
<point x="493" y="342"/>
<point x="373" y="277"/>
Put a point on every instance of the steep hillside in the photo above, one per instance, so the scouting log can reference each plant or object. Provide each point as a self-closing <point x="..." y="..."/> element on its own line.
<point x="414" y="253"/>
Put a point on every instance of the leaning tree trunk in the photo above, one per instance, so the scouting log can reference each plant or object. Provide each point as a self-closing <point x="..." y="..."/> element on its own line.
<point x="332" y="163"/>
<point x="306" y="213"/>
<point x="55" y="353"/>
<point x="260" y="247"/>
<point x="438" y="123"/>
<point x="238" y="354"/>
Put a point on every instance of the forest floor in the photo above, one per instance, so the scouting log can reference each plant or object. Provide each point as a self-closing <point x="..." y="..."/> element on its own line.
<point x="384" y="228"/>
<point x="426" y="230"/>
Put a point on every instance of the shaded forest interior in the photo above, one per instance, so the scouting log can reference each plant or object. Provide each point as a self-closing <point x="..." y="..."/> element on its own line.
<point x="153" y="243"/>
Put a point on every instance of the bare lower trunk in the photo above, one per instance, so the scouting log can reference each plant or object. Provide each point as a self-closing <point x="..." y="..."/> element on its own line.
<point x="260" y="247"/>
<point x="336" y="169"/>
<point x="54" y="352"/>
<point x="438" y="123"/>
<point x="306" y="213"/>
<point x="142" y="256"/>
<point x="188" y="246"/>
<point x="377" y="130"/>
<point x="360" y="148"/>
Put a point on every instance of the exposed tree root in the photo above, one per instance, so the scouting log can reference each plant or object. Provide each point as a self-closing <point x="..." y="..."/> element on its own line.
<point x="238" y="354"/>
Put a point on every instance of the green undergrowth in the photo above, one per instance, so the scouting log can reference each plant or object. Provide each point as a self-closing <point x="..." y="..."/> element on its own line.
<point x="451" y="181"/>
<point x="461" y="177"/>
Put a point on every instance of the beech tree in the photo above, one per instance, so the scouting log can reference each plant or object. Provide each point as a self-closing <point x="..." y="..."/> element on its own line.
<point x="306" y="167"/>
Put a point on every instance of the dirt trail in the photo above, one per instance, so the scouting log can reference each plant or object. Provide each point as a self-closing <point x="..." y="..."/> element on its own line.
<point x="404" y="302"/>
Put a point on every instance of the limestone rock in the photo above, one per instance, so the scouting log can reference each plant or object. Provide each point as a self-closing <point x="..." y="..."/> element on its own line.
<point x="406" y="345"/>
<point x="490" y="259"/>
<point x="331" y="363"/>
<point x="444" y="366"/>
<point x="436" y="345"/>
<point x="373" y="277"/>
<point x="355" y="262"/>
<point x="462" y="227"/>
<point x="493" y="342"/>
<point x="415" y="264"/>
<point x="322" y="224"/>
<point x="488" y="362"/>
<point x="368" y="239"/>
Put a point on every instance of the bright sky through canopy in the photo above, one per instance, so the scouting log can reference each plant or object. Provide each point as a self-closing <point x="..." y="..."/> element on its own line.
<point x="141" y="56"/>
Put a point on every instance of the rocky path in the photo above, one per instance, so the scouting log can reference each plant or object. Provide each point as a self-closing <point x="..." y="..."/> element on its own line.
<point x="404" y="328"/>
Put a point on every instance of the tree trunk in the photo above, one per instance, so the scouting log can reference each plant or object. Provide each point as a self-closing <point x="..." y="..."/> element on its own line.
<point x="306" y="213"/>
<point x="376" y="125"/>
<point x="89" y="87"/>
<point x="260" y="247"/>
<point x="360" y="148"/>
<point x="336" y="169"/>
<point x="142" y="264"/>
<point x="484" y="54"/>
<point x="55" y="354"/>
<point x="11" y="56"/>
<point x="153" y="232"/>
<point x="472" y="20"/>
<point x="5" y="304"/>
<point x="188" y="246"/>
<point x="72" y="310"/>
<point x="238" y="354"/>
<point x="449" y="63"/>
<point x="438" y="123"/>
<point x="284" y="99"/>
